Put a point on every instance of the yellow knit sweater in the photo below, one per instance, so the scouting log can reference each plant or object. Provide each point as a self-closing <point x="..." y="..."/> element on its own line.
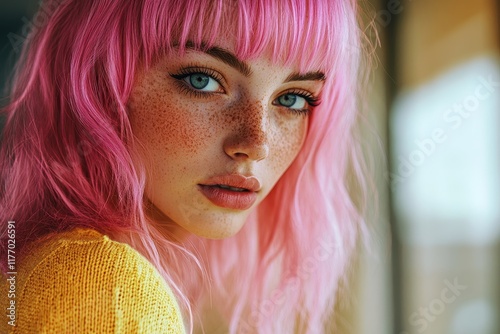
<point x="80" y="281"/>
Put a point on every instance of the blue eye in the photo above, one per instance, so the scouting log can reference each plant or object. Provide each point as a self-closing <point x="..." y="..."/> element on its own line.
<point x="292" y="101"/>
<point x="200" y="80"/>
<point x="297" y="101"/>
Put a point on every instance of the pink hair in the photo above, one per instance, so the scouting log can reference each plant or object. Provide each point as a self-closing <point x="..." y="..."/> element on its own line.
<point x="67" y="151"/>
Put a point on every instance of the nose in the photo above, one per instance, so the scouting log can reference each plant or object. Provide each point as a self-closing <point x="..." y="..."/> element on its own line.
<point x="249" y="138"/>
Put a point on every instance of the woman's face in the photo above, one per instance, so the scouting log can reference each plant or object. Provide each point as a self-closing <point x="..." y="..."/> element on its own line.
<point x="217" y="134"/>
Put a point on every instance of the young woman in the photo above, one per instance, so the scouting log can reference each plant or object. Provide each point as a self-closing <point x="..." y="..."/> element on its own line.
<point x="163" y="160"/>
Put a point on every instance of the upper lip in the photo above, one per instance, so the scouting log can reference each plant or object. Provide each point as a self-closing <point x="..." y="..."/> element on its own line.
<point x="250" y="183"/>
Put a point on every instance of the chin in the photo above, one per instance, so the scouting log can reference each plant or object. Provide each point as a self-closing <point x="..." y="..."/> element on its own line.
<point x="218" y="229"/>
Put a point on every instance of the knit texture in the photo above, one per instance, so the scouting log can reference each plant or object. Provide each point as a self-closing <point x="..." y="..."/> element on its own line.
<point x="80" y="281"/>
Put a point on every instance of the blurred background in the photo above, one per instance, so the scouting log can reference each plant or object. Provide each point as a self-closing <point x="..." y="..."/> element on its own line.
<point x="436" y="105"/>
<point x="434" y="114"/>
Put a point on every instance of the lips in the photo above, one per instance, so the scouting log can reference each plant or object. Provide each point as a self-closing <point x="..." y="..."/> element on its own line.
<point x="232" y="191"/>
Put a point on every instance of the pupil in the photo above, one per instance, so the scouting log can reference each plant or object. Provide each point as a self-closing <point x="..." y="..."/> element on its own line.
<point x="199" y="81"/>
<point x="288" y="100"/>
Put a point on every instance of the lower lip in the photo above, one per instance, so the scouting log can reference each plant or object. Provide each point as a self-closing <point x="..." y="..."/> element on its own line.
<point x="229" y="199"/>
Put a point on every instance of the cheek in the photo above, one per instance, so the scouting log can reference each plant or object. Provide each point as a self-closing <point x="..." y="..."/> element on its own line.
<point x="167" y="124"/>
<point x="288" y="141"/>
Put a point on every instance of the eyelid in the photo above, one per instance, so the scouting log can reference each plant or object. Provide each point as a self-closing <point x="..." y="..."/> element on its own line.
<point x="312" y="99"/>
<point x="193" y="69"/>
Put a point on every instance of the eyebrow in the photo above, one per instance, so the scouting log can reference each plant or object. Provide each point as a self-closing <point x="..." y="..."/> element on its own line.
<point x="319" y="76"/>
<point x="230" y="59"/>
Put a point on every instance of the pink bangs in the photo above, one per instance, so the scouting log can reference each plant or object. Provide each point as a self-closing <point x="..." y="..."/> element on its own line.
<point x="314" y="35"/>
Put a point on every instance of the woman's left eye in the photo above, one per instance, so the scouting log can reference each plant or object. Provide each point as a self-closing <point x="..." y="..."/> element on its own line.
<point x="292" y="101"/>
<point x="300" y="102"/>
<point x="202" y="82"/>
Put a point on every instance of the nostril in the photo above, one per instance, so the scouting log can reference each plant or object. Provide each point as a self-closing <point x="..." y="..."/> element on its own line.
<point x="243" y="150"/>
<point x="240" y="154"/>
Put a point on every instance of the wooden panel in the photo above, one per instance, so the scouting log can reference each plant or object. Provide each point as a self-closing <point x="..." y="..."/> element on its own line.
<point x="436" y="35"/>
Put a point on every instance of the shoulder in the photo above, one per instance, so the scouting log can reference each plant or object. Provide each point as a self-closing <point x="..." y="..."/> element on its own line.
<point x="82" y="281"/>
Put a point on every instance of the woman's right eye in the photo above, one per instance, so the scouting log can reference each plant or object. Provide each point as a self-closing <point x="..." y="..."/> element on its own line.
<point x="202" y="82"/>
<point x="198" y="81"/>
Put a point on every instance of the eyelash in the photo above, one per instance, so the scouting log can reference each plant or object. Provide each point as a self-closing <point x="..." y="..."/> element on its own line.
<point x="312" y="101"/>
<point x="185" y="72"/>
